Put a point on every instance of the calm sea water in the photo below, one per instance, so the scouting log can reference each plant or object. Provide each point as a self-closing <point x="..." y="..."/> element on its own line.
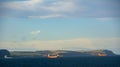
<point x="62" y="62"/>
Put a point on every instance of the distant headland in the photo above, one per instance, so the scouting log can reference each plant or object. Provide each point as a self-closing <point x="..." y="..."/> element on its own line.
<point x="62" y="53"/>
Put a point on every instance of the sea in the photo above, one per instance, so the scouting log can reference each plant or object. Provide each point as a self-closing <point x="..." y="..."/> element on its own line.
<point x="108" y="61"/>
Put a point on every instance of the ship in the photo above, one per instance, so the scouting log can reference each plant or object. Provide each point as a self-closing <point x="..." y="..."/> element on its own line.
<point x="102" y="54"/>
<point x="53" y="55"/>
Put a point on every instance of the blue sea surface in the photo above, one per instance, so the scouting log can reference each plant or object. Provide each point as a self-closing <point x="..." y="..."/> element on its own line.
<point x="112" y="61"/>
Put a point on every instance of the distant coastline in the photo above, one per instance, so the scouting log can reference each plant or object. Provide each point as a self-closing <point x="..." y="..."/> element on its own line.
<point x="62" y="53"/>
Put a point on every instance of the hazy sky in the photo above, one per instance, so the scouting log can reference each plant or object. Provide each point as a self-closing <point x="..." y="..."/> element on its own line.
<point x="60" y="24"/>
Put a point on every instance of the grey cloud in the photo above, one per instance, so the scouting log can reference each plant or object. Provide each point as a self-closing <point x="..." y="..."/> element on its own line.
<point x="71" y="8"/>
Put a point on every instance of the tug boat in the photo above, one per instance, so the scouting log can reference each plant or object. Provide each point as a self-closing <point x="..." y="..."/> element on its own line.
<point x="53" y="55"/>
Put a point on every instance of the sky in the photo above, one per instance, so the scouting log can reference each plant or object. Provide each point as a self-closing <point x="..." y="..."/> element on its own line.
<point x="60" y="25"/>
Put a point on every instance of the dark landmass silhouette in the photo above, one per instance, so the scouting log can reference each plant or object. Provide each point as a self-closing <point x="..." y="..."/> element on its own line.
<point x="4" y="52"/>
<point x="62" y="53"/>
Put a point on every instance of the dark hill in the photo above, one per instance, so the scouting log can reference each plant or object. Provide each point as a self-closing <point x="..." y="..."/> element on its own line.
<point x="4" y="52"/>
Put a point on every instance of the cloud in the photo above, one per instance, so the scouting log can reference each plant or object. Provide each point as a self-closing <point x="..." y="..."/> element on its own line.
<point x="69" y="8"/>
<point x="90" y="43"/>
<point x="48" y="16"/>
<point x="58" y="6"/>
<point x="105" y="19"/>
<point x="23" y="5"/>
<point x="35" y="32"/>
<point x="34" y="1"/>
<point x="62" y="6"/>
